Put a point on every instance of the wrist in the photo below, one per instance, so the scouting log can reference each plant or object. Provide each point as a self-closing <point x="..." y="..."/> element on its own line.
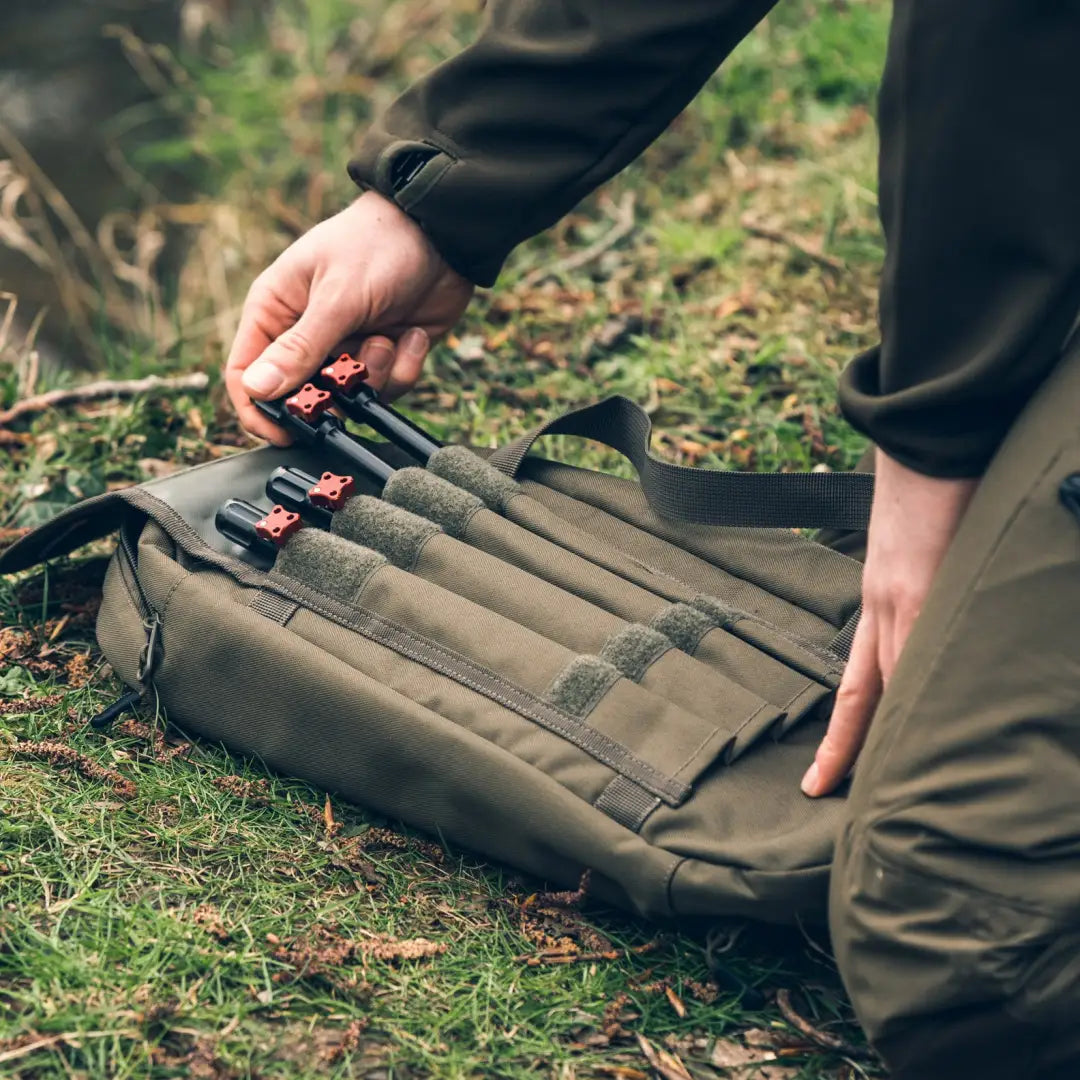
<point x="912" y="522"/>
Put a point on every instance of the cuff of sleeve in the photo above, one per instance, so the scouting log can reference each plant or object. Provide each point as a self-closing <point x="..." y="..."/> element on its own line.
<point x="916" y="427"/>
<point x="418" y="175"/>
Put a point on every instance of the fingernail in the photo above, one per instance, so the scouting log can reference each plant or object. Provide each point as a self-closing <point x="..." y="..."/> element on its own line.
<point x="810" y="780"/>
<point x="370" y="351"/>
<point x="415" y="341"/>
<point x="263" y="380"/>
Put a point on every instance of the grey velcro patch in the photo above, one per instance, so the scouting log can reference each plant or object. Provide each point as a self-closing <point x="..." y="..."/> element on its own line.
<point x="635" y="649"/>
<point x="467" y="470"/>
<point x="720" y="614"/>
<point x="580" y="685"/>
<point x="433" y="498"/>
<point x="684" y="625"/>
<point x="390" y="530"/>
<point x="331" y="564"/>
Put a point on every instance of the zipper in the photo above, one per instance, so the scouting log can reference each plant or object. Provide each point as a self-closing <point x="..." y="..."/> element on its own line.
<point x="150" y="652"/>
<point x="131" y="576"/>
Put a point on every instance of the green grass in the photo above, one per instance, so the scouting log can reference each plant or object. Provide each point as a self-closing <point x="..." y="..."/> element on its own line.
<point x="733" y="341"/>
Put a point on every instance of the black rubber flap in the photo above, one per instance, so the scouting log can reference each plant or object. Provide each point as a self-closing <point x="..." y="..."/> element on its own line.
<point x="194" y="494"/>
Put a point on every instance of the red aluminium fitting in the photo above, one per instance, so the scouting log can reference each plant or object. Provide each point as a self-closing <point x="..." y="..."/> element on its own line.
<point x="331" y="491"/>
<point x="346" y="373"/>
<point x="278" y="526"/>
<point x="309" y="402"/>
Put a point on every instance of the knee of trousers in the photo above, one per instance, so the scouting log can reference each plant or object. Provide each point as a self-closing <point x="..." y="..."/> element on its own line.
<point x="945" y="977"/>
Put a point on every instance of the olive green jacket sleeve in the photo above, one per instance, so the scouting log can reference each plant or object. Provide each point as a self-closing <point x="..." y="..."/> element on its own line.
<point x="554" y="97"/>
<point x="980" y="200"/>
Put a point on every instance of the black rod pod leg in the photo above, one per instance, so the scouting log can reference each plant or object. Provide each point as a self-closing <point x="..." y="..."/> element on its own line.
<point x="249" y="527"/>
<point x="345" y="380"/>
<point x="303" y="415"/>
<point x="291" y="488"/>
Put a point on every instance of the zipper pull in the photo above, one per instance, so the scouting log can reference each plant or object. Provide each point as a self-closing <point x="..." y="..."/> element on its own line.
<point x="148" y="658"/>
<point x="147" y="662"/>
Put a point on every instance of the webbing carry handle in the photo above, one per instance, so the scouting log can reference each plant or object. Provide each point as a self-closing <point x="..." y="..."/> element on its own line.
<point x="707" y="496"/>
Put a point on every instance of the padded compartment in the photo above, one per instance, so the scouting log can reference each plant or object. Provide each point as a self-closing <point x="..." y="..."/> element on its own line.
<point x="636" y="650"/>
<point x="414" y="539"/>
<point x="788" y="569"/>
<point x="559" y="696"/>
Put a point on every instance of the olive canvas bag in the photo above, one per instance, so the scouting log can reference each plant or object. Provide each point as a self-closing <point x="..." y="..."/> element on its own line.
<point x="557" y="668"/>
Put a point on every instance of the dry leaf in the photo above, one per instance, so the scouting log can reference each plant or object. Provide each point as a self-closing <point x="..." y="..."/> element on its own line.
<point x="753" y="1062"/>
<point x="667" y="1065"/>
<point x="676" y="1003"/>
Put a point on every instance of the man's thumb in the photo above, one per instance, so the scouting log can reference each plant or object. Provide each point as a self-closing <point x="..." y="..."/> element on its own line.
<point x="294" y="356"/>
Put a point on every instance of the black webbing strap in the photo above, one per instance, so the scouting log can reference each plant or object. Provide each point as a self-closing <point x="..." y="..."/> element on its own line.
<point x="708" y="496"/>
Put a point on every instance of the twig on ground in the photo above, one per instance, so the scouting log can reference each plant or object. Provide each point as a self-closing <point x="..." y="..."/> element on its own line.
<point x="624" y="225"/>
<point x="822" y="1038"/>
<point x="52" y="1040"/>
<point x="108" y="388"/>
<point x="805" y="247"/>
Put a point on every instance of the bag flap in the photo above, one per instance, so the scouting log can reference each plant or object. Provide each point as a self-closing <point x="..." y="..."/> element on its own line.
<point x="195" y="494"/>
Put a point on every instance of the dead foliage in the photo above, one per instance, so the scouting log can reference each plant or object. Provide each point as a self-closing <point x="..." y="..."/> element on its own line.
<point x="193" y="1056"/>
<point x="740" y="1061"/>
<point x="209" y="918"/>
<point x="824" y="1039"/>
<point x="616" y="1014"/>
<point x="320" y="953"/>
<point x="256" y="792"/>
<point x="78" y="671"/>
<point x="667" y="1065"/>
<point x="110" y="388"/>
<point x="705" y="992"/>
<point x="15" y="644"/>
<point x="38" y="651"/>
<point x="553" y="923"/>
<point x="20" y="706"/>
<point x="348" y="855"/>
<point x="155" y="1013"/>
<point x="154" y="737"/>
<point x="334" y="1051"/>
<point x="319" y="817"/>
<point x="163" y="813"/>
<point x="377" y="838"/>
<point x="62" y="756"/>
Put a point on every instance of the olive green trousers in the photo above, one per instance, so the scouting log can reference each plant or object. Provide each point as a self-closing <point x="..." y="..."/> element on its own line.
<point x="955" y="897"/>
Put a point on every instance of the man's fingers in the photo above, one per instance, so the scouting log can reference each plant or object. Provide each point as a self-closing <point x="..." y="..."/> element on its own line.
<point x="377" y="354"/>
<point x="856" y="700"/>
<point x="412" y="350"/>
<point x="262" y="319"/>
<point x="250" y="418"/>
<point x="292" y="357"/>
<point x="394" y="368"/>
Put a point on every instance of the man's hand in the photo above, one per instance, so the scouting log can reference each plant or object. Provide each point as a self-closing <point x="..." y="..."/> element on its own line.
<point x="369" y="273"/>
<point x="913" y="521"/>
